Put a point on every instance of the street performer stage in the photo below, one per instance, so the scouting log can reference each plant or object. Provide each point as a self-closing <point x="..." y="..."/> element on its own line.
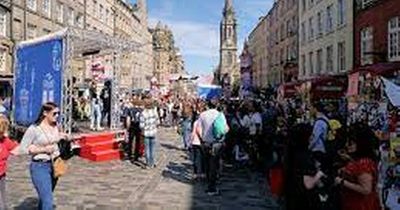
<point x="99" y="146"/>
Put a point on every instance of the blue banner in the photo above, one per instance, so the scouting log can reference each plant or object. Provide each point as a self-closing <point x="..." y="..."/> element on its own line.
<point x="209" y="92"/>
<point x="38" y="78"/>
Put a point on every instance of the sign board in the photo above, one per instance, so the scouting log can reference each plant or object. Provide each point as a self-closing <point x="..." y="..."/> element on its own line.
<point x="353" y="84"/>
<point x="37" y="77"/>
<point x="209" y="91"/>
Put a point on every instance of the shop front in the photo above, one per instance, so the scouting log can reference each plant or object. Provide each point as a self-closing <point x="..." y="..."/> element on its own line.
<point x="6" y="87"/>
<point x="328" y="88"/>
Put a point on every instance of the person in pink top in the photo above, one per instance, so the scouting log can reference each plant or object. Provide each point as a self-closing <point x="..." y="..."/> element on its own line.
<point x="197" y="150"/>
<point x="7" y="148"/>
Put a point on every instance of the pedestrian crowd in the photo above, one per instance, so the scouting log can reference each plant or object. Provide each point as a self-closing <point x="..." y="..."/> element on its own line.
<point x="323" y="162"/>
<point x="310" y="156"/>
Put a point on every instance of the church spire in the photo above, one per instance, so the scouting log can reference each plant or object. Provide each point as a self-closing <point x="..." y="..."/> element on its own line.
<point x="228" y="6"/>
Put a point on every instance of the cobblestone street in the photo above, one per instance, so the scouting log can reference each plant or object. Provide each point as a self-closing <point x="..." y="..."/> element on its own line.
<point x="123" y="185"/>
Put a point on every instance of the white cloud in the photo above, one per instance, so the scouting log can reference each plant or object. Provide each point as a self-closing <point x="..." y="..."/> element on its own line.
<point x="194" y="38"/>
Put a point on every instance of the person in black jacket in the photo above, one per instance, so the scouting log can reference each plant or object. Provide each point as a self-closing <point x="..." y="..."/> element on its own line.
<point x="303" y="177"/>
<point x="106" y="98"/>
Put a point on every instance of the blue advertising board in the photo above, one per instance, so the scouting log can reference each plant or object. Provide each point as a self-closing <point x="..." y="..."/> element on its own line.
<point x="209" y="92"/>
<point x="38" y="78"/>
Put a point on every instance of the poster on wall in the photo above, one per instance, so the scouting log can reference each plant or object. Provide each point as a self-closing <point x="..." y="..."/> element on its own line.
<point x="353" y="84"/>
<point x="38" y="78"/>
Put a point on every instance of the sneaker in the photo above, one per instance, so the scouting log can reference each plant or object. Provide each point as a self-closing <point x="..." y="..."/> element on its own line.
<point x="213" y="192"/>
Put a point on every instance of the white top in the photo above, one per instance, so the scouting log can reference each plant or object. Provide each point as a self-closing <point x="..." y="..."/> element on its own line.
<point x="255" y="118"/>
<point x="148" y="122"/>
<point x="207" y="119"/>
<point x="36" y="135"/>
<point x="245" y="121"/>
<point x="196" y="133"/>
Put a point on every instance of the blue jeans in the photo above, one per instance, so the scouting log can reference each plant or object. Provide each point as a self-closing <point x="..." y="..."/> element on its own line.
<point x="149" y="144"/>
<point x="186" y="132"/>
<point x="44" y="183"/>
<point x="95" y="115"/>
<point x="212" y="154"/>
<point x="198" y="159"/>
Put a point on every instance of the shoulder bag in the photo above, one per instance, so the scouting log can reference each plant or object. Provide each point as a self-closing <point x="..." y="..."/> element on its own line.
<point x="58" y="164"/>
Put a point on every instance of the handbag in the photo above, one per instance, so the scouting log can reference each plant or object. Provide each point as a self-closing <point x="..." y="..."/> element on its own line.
<point x="58" y="164"/>
<point x="65" y="148"/>
<point x="59" y="167"/>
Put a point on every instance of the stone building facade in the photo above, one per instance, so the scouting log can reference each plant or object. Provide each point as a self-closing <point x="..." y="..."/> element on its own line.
<point x="28" y="19"/>
<point x="283" y="42"/>
<point x="258" y="48"/>
<point x="131" y="24"/>
<point x="274" y="45"/>
<point x="6" y="48"/>
<point x="377" y="34"/>
<point x="167" y="58"/>
<point x="326" y="37"/>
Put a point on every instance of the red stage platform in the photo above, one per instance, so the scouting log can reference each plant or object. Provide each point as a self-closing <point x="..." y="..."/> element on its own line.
<point x="100" y="146"/>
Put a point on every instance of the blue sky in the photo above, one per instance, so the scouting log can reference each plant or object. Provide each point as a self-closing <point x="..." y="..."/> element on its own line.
<point x="195" y="24"/>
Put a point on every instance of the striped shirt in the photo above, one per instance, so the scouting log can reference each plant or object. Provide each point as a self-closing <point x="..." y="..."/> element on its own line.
<point x="148" y="122"/>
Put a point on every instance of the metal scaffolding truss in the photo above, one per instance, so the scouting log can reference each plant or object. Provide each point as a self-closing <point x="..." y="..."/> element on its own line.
<point x="81" y="42"/>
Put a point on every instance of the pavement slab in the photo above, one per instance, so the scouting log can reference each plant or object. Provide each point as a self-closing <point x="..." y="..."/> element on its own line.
<point x="122" y="185"/>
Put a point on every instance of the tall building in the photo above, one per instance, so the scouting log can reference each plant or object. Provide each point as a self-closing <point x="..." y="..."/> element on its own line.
<point x="326" y="37"/>
<point x="131" y="24"/>
<point x="27" y="19"/>
<point x="283" y="42"/>
<point x="273" y="44"/>
<point x="376" y="35"/>
<point x="228" y="65"/>
<point x="6" y="48"/>
<point x="167" y="58"/>
<point x="258" y="48"/>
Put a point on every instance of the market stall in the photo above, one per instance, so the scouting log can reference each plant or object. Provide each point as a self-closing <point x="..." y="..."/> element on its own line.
<point x="373" y="97"/>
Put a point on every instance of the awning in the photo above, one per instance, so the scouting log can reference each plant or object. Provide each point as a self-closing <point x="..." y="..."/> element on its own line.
<point x="290" y="90"/>
<point x="379" y="69"/>
<point x="329" y="87"/>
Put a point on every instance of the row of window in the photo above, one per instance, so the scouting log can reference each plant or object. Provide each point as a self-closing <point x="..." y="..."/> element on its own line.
<point x="98" y="10"/>
<point x="101" y="12"/>
<point x="63" y="13"/>
<point x="287" y="29"/>
<point x="314" y="60"/>
<point x="367" y="42"/>
<point x="289" y="53"/>
<point x="323" y="22"/>
<point x="308" y="4"/>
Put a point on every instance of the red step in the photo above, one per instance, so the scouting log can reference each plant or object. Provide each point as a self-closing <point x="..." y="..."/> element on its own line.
<point x="96" y="138"/>
<point x="100" y="146"/>
<point x="106" y="155"/>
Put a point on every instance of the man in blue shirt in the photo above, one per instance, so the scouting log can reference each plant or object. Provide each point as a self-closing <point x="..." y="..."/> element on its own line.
<point x="320" y="133"/>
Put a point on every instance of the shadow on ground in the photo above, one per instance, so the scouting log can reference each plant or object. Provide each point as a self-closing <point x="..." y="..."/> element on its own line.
<point x="171" y="147"/>
<point x="239" y="188"/>
<point x="29" y="203"/>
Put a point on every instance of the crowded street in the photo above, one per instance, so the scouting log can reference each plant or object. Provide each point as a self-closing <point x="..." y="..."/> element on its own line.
<point x="123" y="185"/>
<point x="211" y="104"/>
